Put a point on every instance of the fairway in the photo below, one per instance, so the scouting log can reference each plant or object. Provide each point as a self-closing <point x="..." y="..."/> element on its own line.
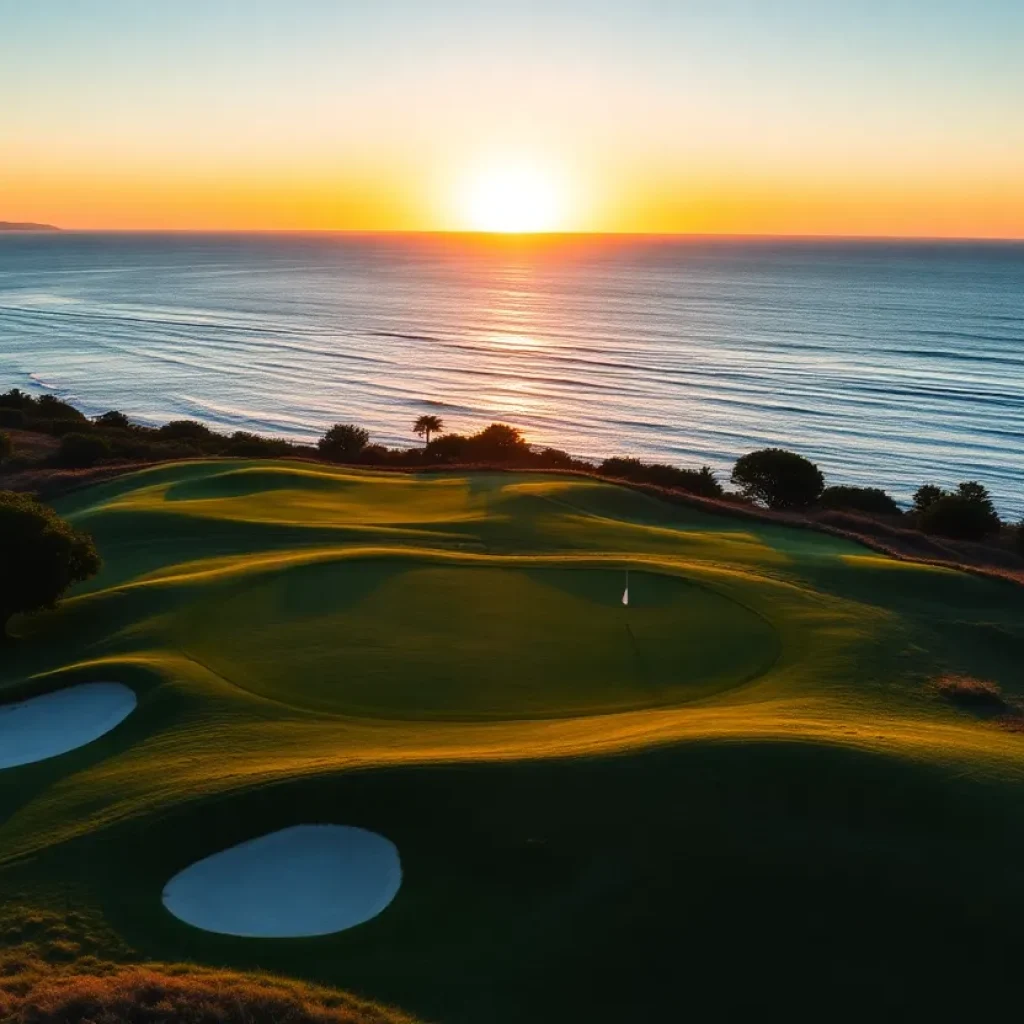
<point x="747" y="768"/>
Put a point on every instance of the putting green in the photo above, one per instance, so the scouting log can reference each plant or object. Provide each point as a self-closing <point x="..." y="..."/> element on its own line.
<point x="751" y="759"/>
<point x="405" y="640"/>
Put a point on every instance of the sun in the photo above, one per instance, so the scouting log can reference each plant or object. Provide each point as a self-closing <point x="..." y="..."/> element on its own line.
<point x="513" y="199"/>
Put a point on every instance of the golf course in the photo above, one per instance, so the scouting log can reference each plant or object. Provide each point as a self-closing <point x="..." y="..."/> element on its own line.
<point x="746" y="788"/>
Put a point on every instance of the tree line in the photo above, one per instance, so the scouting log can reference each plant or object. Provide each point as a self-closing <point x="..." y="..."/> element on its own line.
<point x="772" y="478"/>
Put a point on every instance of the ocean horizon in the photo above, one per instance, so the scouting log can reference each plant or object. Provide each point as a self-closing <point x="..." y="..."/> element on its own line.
<point x="889" y="362"/>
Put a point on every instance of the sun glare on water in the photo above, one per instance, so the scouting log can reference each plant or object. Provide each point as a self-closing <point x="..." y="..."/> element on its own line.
<point x="513" y="200"/>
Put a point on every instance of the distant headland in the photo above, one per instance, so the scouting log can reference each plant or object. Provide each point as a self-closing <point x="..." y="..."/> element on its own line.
<point x="13" y="225"/>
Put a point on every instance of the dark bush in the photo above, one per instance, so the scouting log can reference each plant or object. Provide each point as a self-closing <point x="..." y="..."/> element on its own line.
<point x="6" y="448"/>
<point x="498" y="443"/>
<point x="965" y="514"/>
<point x="377" y="455"/>
<point x="252" y="446"/>
<point x="779" y="479"/>
<point x="925" y="495"/>
<point x="185" y="430"/>
<point x="447" y="449"/>
<point x="79" y="451"/>
<point x="871" y="500"/>
<point x="977" y="494"/>
<point x="41" y="555"/>
<point x="694" y="481"/>
<point x="60" y="427"/>
<point x="555" y="458"/>
<point x="51" y="408"/>
<point x="146" y="449"/>
<point x="16" y="399"/>
<point x="13" y="418"/>
<point x="343" y="442"/>
<point x="113" y="420"/>
<point x="624" y="467"/>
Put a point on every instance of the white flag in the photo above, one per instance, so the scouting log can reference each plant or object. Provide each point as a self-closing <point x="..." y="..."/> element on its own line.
<point x="625" y="596"/>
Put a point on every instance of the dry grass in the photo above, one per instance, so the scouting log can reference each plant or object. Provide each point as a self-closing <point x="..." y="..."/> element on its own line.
<point x="976" y="694"/>
<point x="31" y="445"/>
<point x="983" y="698"/>
<point x="70" y="969"/>
<point x="33" y="992"/>
<point x="48" y="482"/>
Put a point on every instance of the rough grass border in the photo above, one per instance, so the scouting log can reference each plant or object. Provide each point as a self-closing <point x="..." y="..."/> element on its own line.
<point x="33" y="991"/>
<point x="902" y="544"/>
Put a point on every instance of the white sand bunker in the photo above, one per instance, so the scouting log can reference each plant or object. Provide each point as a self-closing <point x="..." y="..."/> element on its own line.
<point x="54" y="723"/>
<point x="301" y="881"/>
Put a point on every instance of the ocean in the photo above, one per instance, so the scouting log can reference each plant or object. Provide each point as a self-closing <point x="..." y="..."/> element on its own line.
<point x="888" y="363"/>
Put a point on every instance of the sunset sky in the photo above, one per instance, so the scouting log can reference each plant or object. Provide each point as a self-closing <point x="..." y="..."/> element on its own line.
<point x="877" y="118"/>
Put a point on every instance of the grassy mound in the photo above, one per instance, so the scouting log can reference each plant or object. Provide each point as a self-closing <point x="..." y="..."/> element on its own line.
<point x="749" y="773"/>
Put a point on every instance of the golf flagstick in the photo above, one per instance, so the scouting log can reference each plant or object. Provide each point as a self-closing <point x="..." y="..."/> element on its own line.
<point x="625" y="593"/>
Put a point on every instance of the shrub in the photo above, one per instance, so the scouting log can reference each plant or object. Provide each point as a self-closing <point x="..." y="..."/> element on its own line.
<point x="376" y="454"/>
<point x="13" y="418"/>
<point x="926" y="495"/>
<point x="59" y="427"/>
<point x="114" y="420"/>
<point x="16" y="399"/>
<point x="51" y="408"/>
<point x="343" y="442"/>
<point x="498" y="443"/>
<point x="956" y="517"/>
<point x="555" y="458"/>
<point x="978" y="495"/>
<point x="6" y="448"/>
<point x="79" y="451"/>
<point x="694" y="481"/>
<point x="144" y="449"/>
<point x="41" y="555"/>
<point x="779" y="479"/>
<point x="185" y="430"/>
<point x="253" y="446"/>
<point x="625" y="468"/>
<point x="1019" y="536"/>
<point x="447" y="449"/>
<point x="964" y="514"/>
<point x="870" y="500"/>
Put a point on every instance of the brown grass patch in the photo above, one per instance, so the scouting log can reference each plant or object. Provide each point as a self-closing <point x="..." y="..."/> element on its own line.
<point x="94" y="992"/>
<point x="70" y="968"/>
<point x="31" y="445"/>
<point x="971" y="693"/>
<point x="49" y="482"/>
<point x="983" y="698"/>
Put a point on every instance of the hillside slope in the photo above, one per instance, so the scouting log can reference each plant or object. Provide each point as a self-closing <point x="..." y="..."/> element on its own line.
<point x="743" y="790"/>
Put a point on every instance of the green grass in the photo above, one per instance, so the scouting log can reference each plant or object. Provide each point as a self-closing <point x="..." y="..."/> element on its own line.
<point x="743" y="792"/>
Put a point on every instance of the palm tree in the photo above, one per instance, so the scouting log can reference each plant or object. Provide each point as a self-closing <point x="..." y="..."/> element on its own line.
<point x="427" y="425"/>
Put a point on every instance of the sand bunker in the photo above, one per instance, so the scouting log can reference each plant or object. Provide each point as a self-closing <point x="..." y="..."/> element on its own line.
<point x="54" y="723"/>
<point x="301" y="881"/>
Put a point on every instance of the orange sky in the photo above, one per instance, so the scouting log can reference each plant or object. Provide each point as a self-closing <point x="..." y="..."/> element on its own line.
<point x="656" y="117"/>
